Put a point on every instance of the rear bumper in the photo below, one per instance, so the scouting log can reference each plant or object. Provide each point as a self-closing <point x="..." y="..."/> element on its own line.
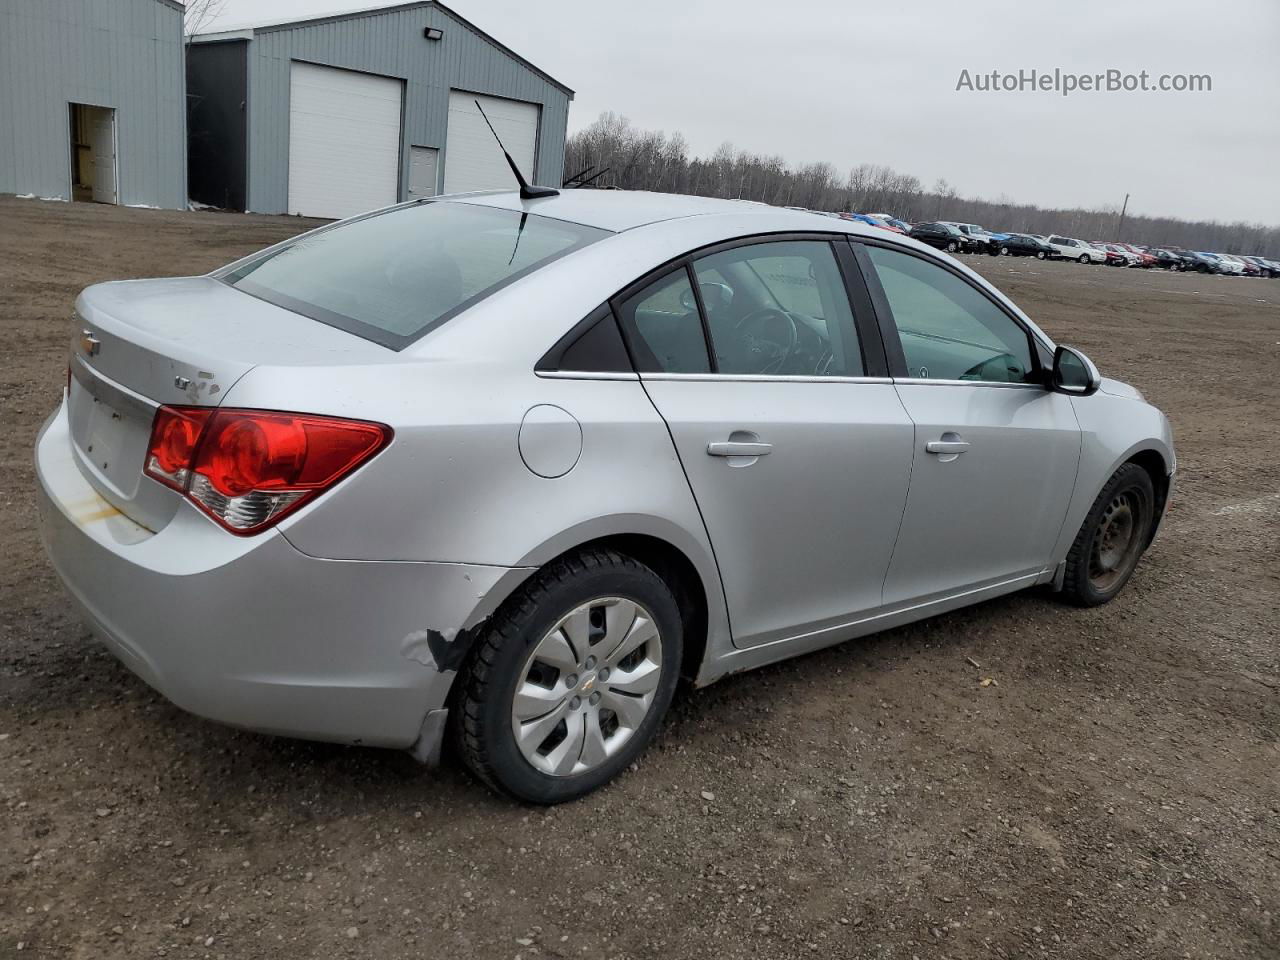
<point x="253" y="633"/>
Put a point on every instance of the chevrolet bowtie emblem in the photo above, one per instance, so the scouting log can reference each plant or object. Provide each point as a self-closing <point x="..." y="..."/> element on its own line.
<point x="89" y="343"/>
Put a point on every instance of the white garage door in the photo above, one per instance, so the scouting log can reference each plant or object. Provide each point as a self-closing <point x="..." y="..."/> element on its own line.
<point x="344" y="141"/>
<point x="472" y="160"/>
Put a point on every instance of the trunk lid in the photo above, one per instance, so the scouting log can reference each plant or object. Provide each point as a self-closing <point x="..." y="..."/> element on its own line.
<point x="138" y="344"/>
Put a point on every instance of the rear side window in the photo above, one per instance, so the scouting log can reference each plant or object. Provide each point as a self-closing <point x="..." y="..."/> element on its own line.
<point x="666" y="327"/>
<point x="393" y="276"/>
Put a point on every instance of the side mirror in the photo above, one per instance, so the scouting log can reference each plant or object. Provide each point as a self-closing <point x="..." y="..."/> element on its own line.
<point x="1074" y="373"/>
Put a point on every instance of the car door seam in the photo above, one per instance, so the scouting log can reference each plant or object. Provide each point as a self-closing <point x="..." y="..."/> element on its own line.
<point x="1075" y="483"/>
<point x="911" y="469"/>
<point x="728" y="615"/>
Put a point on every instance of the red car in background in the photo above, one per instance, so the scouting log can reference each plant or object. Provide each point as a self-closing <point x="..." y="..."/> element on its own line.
<point x="1146" y="259"/>
<point x="1114" y="257"/>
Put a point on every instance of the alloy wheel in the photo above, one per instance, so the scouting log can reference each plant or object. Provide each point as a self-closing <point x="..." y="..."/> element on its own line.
<point x="587" y="686"/>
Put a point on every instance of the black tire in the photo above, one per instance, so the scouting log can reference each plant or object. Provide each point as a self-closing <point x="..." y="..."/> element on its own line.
<point x="1087" y="583"/>
<point x="1004" y="251"/>
<point x="1040" y="254"/>
<point x="952" y="246"/>
<point x="481" y="718"/>
<point x="1084" y="258"/>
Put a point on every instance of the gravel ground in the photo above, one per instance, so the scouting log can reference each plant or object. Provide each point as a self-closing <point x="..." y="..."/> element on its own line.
<point x="1115" y="793"/>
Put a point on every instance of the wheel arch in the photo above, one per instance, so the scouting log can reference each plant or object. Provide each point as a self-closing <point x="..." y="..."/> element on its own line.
<point x="682" y="559"/>
<point x="1161" y="473"/>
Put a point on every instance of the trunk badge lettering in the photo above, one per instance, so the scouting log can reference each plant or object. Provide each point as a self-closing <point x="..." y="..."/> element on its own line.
<point x="182" y="383"/>
<point x="89" y="343"/>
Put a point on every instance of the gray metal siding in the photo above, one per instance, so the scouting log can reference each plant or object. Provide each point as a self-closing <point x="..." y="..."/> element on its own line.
<point x="125" y="54"/>
<point x="390" y="43"/>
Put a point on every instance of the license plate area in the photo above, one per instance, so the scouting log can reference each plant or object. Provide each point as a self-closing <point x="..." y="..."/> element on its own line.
<point x="110" y="429"/>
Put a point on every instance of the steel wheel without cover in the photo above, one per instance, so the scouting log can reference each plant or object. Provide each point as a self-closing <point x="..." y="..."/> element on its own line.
<point x="587" y="686"/>
<point x="1118" y="541"/>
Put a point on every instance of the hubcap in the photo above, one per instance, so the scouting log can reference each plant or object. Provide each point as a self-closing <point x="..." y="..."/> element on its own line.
<point x="587" y="686"/>
<point x="1115" y="547"/>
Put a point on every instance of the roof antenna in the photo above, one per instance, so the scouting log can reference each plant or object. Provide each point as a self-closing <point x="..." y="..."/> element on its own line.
<point x="527" y="192"/>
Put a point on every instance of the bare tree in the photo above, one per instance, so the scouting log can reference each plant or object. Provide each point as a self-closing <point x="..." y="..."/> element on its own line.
<point x="654" y="160"/>
<point x="199" y="15"/>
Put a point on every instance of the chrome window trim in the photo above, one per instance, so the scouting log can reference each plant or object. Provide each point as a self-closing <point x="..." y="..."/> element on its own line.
<point x="777" y="378"/>
<point x="969" y="383"/>
<point x="762" y="378"/>
<point x="585" y="375"/>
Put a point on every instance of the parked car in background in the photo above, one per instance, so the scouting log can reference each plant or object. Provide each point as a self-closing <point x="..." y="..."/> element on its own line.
<point x="873" y="221"/>
<point x="984" y="239"/>
<point x="1247" y="267"/>
<point x="1167" y="259"/>
<point x="648" y="437"/>
<point x="944" y="236"/>
<point x="1225" y="266"/>
<point x="1070" y="248"/>
<point x="1145" y="259"/>
<point x="1197" y="261"/>
<point x="1025" y="245"/>
<point x="1117" y="256"/>
<point x="1266" y="267"/>
<point x="894" y="222"/>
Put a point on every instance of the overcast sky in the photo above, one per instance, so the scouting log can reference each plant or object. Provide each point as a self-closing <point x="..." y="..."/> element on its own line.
<point x="854" y="82"/>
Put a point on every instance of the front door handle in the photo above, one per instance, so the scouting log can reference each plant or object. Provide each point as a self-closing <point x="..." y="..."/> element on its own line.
<point x="738" y="448"/>
<point x="944" y="447"/>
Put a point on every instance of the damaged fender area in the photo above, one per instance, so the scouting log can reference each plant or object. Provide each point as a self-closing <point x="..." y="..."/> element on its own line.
<point x="254" y="633"/>
<point x="442" y="650"/>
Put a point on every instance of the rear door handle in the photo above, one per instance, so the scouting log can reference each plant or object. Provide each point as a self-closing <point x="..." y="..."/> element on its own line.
<point x="738" y="448"/>
<point x="943" y="447"/>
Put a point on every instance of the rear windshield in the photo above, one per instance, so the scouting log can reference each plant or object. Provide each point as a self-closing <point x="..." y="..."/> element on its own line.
<point x="393" y="276"/>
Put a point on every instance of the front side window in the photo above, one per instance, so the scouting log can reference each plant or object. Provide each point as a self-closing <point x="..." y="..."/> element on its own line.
<point x="393" y="276"/>
<point x="949" y="330"/>
<point x="779" y="308"/>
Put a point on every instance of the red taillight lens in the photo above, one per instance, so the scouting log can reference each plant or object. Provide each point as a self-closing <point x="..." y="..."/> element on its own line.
<point x="253" y="453"/>
<point x="248" y="468"/>
<point x="174" y="436"/>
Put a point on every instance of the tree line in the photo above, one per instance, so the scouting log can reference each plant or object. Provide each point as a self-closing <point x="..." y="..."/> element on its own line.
<point x="635" y="159"/>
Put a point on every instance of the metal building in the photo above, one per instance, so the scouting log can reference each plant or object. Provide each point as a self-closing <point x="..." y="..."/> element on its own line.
<point x="336" y="115"/>
<point x="92" y="101"/>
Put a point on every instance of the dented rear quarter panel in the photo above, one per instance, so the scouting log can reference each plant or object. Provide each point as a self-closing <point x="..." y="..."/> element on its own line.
<point x="453" y="488"/>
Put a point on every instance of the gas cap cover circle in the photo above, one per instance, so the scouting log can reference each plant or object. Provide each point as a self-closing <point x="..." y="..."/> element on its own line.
<point x="550" y="440"/>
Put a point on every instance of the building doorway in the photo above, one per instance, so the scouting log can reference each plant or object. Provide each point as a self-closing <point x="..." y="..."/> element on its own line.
<point x="93" y="153"/>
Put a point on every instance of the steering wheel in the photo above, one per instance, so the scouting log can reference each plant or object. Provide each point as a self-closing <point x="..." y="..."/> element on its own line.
<point x="768" y="351"/>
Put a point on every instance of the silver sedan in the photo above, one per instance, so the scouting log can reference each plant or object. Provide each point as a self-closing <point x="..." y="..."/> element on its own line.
<point x="507" y="469"/>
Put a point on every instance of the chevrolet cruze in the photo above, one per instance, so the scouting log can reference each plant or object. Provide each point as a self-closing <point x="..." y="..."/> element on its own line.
<point x="501" y="470"/>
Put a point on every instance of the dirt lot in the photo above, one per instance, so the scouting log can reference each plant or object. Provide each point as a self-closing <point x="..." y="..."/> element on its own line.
<point x="1115" y="794"/>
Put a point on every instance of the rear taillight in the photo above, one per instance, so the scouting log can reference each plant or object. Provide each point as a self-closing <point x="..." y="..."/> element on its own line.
<point x="174" y="436"/>
<point x="249" y="468"/>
